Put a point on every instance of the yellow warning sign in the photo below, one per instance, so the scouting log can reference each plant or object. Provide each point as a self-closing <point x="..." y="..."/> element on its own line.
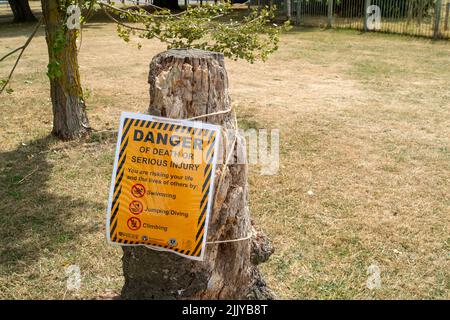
<point x="162" y="184"/>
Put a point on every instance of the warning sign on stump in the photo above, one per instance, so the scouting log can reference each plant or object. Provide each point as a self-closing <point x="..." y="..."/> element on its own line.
<point x="162" y="184"/>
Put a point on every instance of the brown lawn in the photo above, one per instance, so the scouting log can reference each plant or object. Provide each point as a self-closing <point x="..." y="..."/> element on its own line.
<point x="364" y="125"/>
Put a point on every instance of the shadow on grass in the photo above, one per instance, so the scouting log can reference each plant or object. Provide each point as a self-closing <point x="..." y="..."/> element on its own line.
<point x="9" y="29"/>
<point x="33" y="221"/>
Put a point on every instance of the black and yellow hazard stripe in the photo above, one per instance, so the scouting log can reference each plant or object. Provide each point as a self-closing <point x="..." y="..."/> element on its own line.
<point x="115" y="206"/>
<point x="209" y="143"/>
<point x="117" y="192"/>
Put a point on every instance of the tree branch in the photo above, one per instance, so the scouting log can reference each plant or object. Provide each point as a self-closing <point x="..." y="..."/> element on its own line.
<point x="36" y="28"/>
<point x="10" y="53"/>
<point x="137" y="14"/>
<point x="130" y="27"/>
<point x="121" y="23"/>
<point x="103" y="4"/>
<point x="147" y="4"/>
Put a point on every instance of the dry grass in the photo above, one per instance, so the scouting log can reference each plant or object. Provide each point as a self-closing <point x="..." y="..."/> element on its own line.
<point x="389" y="25"/>
<point x="364" y="123"/>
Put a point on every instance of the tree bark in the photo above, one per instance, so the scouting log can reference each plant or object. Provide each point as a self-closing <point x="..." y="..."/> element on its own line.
<point x="183" y="84"/>
<point x="69" y="111"/>
<point x="22" y="11"/>
<point x="169" y="4"/>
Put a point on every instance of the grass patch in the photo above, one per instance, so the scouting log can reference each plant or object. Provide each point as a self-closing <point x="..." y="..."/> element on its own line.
<point x="363" y="178"/>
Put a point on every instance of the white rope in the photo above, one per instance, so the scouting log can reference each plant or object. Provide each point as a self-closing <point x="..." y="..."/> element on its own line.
<point x="210" y="114"/>
<point x="225" y="164"/>
<point x="252" y="233"/>
<point x="222" y="177"/>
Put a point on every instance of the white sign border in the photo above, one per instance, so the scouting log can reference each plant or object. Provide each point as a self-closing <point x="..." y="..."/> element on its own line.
<point x="189" y="123"/>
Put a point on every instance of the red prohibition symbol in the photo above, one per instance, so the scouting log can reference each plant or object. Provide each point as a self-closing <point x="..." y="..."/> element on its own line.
<point x="134" y="223"/>
<point x="136" y="207"/>
<point x="138" y="190"/>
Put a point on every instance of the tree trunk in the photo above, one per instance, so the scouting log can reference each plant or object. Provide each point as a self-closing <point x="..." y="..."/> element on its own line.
<point x="69" y="110"/>
<point x="183" y="84"/>
<point x="21" y="10"/>
<point x="169" y="4"/>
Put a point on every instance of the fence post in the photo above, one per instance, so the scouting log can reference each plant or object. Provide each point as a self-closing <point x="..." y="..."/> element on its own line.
<point x="288" y="9"/>
<point x="297" y="13"/>
<point x="330" y="14"/>
<point x="437" y="18"/>
<point x="447" y="12"/>
<point x="366" y="5"/>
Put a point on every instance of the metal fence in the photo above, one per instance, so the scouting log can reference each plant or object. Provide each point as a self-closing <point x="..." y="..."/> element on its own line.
<point x="429" y="18"/>
<point x="6" y="14"/>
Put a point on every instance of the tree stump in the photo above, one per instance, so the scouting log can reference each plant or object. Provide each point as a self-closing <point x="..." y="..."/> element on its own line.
<point x="183" y="84"/>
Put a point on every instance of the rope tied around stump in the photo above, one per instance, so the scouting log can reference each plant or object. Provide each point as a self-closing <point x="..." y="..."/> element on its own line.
<point x="252" y="232"/>
<point x="211" y="114"/>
